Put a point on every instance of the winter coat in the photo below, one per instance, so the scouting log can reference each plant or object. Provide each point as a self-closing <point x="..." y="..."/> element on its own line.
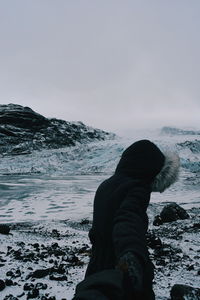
<point x="119" y="217"/>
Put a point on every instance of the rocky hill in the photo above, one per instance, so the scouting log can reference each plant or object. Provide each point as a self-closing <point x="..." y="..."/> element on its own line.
<point x="23" y="130"/>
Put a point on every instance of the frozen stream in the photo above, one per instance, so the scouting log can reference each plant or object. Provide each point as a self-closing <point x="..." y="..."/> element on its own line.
<point x="26" y="198"/>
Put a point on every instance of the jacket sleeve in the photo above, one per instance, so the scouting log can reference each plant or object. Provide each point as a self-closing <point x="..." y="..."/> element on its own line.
<point x="130" y="224"/>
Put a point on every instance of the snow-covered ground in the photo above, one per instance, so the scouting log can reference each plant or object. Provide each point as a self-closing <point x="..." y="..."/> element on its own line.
<point x="58" y="185"/>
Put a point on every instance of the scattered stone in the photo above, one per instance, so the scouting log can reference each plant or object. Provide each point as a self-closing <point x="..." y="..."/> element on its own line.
<point x="10" y="273"/>
<point x="21" y="295"/>
<point x="84" y="222"/>
<point x="153" y="241"/>
<point x="54" y="245"/>
<point x="2" y="285"/>
<point x="196" y="225"/>
<point x="34" y="293"/>
<point x="55" y="233"/>
<point x="21" y="244"/>
<point x="36" y="245"/>
<point x="28" y="286"/>
<point x="157" y="221"/>
<point x="2" y="260"/>
<point x="40" y="273"/>
<point x="58" y="278"/>
<point x="41" y="286"/>
<point x="85" y="250"/>
<point x="182" y="292"/>
<point x="190" y="268"/>
<point x="14" y="273"/>
<point x="9" y="282"/>
<point x="10" y="297"/>
<point x="4" y="229"/>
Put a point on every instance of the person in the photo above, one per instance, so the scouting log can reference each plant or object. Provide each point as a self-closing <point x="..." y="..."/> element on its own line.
<point x="120" y="223"/>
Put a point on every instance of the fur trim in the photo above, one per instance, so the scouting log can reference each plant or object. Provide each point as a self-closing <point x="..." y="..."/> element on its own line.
<point x="168" y="174"/>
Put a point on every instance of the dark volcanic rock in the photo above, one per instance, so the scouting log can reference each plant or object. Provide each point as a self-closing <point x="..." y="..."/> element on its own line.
<point x="171" y="212"/>
<point x="2" y="285"/>
<point x="40" y="273"/>
<point x="157" y="221"/>
<point x="9" y="282"/>
<point x="181" y="292"/>
<point x="23" y="130"/>
<point x="153" y="241"/>
<point x="28" y="286"/>
<point x="33" y="294"/>
<point x="10" y="297"/>
<point x="58" y="277"/>
<point x="4" y="229"/>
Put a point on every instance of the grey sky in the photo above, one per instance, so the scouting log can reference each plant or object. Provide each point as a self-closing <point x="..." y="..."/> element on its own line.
<point x="111" y="64"/>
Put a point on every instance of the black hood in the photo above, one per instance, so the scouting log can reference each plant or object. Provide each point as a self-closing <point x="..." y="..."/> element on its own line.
<point x="142" y="160"/>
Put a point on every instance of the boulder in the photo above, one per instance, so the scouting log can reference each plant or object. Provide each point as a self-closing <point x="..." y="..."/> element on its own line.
<point x="171" y="212"/>
<point x="183" y="292"/>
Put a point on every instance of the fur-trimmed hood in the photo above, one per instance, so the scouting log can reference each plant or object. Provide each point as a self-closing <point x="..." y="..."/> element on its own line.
<point x="145" y="162"/>
<point x="168" y="174"/>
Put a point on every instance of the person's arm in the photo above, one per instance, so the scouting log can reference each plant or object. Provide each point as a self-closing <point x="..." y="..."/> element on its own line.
<point x="130" y="225"/>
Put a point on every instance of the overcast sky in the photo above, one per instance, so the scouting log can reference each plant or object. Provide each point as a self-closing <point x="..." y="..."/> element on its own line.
<point x="112" y="64"/>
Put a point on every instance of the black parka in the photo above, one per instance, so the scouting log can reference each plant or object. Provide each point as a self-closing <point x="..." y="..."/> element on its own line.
<point x="119" y="217"/>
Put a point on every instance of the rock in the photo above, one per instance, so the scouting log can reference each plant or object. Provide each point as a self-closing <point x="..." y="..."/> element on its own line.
<point x="196" y="225"/>
<point x="36" y="245"/>
<point x="190" y="267"/>
<point x="171" y="212"/>
<point x="55" y="233"/>
<point x="28" y="286"/>
<point x="58" y="277"/>
<point x="2" y="285"/>
<point x="33" y="294"/>
<point x="4" y="229"/>
<point x="153" y="241"/>
<point x="14" y="273"/>
<point x="21" y="295"/>
<point x="60" y="269"/>
<point x="40" y="273"/>
<point x="9" y="282"/>
<point x="10" y="273"/>
<point x="10" y="297"/>
<point x="23" y="130"/>
<point x="84" y="222"/>
<point x="157" y="221"/>
<point x="54" y="245"/>
<point x="41" y="286"/>
<point x="182" y="292"/>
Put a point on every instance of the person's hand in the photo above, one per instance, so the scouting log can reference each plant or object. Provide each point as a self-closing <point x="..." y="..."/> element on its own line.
<point x="129" y="263"/>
